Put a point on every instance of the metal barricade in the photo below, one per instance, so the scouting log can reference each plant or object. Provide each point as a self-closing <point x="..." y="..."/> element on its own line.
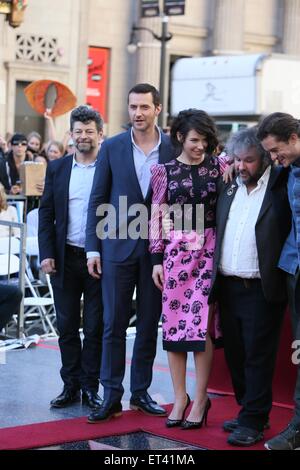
<point x="22" y="267"/>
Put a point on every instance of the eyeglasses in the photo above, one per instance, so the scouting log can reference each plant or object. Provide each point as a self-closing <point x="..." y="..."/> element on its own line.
<point x="24" y="144"/>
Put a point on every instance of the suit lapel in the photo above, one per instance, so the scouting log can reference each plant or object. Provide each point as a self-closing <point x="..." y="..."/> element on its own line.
<point x="65" y="173"/>
<point x="224" y="204"/>
<point x="164" y="150"/>
<point x="128" y="152"/>
<point x="267" y="201"/>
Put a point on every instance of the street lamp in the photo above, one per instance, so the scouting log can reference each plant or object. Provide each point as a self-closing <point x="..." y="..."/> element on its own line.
<point x="163" y="38"/>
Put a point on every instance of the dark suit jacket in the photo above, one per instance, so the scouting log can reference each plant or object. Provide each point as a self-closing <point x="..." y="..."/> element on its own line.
<point x="53" y="215"/>
<point x="271" y="230"/>
<point x="115" y="176"/>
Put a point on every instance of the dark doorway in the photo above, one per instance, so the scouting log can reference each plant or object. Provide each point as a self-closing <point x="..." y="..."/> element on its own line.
<point x="26" y="119"/>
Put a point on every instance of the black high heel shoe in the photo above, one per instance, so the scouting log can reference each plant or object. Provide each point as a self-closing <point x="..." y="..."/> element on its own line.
<point x="197" y="424"/>
<point x="172" y="423"/>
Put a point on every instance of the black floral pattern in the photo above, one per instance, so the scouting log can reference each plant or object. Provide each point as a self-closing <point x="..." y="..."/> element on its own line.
<point x="171" y="283"/>
<point x="174" y="304"/>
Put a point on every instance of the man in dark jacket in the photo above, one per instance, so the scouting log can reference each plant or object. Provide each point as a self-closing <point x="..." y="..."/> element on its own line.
<point x="62" y="220"/>
<point x="253" y="220"/>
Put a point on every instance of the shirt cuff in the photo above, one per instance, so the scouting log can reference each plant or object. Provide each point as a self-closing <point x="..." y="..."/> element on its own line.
<point x="92" y="254"/>
<point x="157" y="258"/>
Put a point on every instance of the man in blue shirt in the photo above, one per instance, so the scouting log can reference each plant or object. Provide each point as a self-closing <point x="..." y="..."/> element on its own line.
<point x="280" y="135"/>
<point x="123" y="171"/>
<point x="62" y="222"/>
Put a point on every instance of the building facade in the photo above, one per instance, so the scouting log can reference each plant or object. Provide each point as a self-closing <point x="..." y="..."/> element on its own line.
<point x="83" y="44"/>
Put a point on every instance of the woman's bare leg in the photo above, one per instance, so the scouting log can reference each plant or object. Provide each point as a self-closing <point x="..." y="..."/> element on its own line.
<point x="177" y="364"/>
<point x="203" y="363"/>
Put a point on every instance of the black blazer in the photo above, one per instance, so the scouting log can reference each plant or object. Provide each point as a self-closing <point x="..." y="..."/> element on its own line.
<point x="271" y="230"/>
<point x="53" y="215"/>
<point x="115" y="176"/>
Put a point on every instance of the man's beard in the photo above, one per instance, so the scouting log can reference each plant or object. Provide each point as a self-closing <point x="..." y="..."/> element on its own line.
<point x="253" y="179"/>
<point x="84" y="147"/>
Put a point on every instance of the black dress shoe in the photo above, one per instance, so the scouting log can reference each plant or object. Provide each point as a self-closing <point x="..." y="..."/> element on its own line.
<point x="105" y="412"/>
<point x="244" y="437"/>
<point x="66" y="398"/>
<point x="91" y="399"/>
<point x="148" y="406"/>
<point x="172" y="423"/>
<point x="231" y="424"/>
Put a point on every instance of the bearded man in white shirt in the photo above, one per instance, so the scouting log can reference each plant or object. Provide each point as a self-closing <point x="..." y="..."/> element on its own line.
<point x="253" y="221"/>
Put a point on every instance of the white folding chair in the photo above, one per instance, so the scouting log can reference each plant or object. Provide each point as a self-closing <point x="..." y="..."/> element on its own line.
<point x="41" y="306"/>
<point x="37" y="309"/>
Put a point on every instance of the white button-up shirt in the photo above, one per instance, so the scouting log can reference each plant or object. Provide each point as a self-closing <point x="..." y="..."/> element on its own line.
<point x="80" y="187"/>
<point x="143" y="163"/>
<point x="239" y="251"/>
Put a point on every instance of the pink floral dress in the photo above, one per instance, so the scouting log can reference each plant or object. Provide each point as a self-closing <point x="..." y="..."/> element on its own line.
<point x="187" y="256"/>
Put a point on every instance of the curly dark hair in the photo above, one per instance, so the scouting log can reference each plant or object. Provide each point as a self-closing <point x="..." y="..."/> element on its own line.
<point x="197" y="120"/>
<point x="86" y="114"/>
<point x="280" y="125"/>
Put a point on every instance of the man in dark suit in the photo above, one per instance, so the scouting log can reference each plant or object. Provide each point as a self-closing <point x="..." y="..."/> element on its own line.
<point x="253" y="220"/>
<point x="123" y="170"/>
<point x="62" y="222"/>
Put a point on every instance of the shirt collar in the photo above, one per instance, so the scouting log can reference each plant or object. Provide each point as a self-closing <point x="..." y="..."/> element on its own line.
<point x="154" y="148"/>
<point x="262" y="180"/>
<point x="81" y="165"/>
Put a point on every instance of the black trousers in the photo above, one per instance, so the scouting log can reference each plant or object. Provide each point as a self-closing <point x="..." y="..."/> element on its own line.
<point x="118" y="283"/>
<point x="80" y="361"/>
<point x="251" y="328"/>
<point x="10" y="298"/>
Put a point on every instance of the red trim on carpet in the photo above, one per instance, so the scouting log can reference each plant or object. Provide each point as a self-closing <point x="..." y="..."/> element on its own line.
<point x="71" y="430"/>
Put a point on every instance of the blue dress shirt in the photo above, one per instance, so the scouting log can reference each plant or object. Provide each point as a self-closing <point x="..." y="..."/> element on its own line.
<point x="290" y="255"/>
<point x="80" y="187"/>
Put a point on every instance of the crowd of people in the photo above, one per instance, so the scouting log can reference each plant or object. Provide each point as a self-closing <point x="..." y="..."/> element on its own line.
<point x="219" y="263"/>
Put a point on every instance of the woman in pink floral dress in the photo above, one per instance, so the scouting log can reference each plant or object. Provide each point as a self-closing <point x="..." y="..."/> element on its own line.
<point x="182" y="264"/>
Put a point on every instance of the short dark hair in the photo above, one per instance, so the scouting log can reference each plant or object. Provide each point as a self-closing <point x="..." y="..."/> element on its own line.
<point x="198" y="120"/>
<point x="280" y="125"/>
<point x="244" y="140"/>
<point x="86" y="114"/>
<point x="17" y="137"/>
<point x="143" y="88"/>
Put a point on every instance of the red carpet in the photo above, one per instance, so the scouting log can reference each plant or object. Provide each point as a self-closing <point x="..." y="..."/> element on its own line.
<point x="285" y="371"/>
<point x="70" y="430"/>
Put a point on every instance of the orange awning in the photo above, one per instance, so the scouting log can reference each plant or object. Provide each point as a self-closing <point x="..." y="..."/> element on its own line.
<point x="63" y="98"/>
